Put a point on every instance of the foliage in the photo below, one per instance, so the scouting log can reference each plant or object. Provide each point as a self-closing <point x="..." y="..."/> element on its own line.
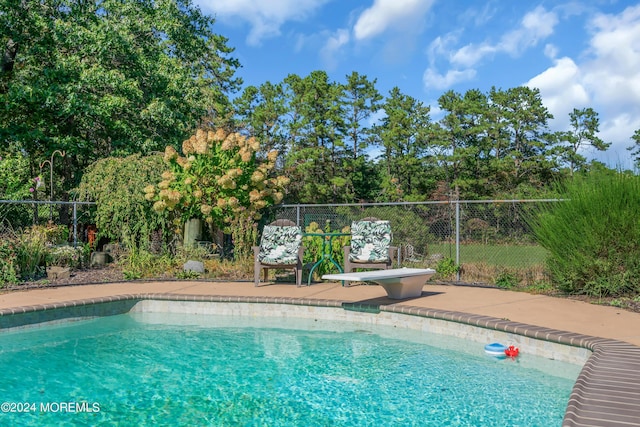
<point x="31" y="252"/>
<point x="116" y="185"/>
<point x="218" y="179"/>
<point x="55" y="234"/>
<point x="313" y="247"/>
<point x="244" y="233"/>
<point x="189" y="274"/>
<point x="112" y="77"/>
<point x="584" y="129"/>
<point x="494" y="144"/>
<point x="15" y="177"/>
<point x="137" y="263"/>
<point x="64" y="256"/>
<point x="635" y="148"/>
<point x="447" y="268"/>
<point x="507" y="280"/>
<point x="403" y="135"/>
<point x="8" y="259"/>
<point x="593" y="237"/>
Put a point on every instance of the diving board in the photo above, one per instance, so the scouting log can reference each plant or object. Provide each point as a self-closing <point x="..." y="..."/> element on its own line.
<point x="399" y="283"/>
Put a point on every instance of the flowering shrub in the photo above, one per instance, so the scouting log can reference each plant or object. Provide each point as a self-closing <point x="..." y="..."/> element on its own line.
<point x="38" y="183"/>
<point x="64" y="256"/>
<point x="218" y="179"/>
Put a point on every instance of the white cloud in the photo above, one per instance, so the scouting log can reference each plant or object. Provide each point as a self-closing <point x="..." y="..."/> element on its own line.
<point x="606" y="79"/>
<point x="612" y="73"/>
<point x="332" y="47"/>
<point x="550" y="51"/>
<point x="433" y="80"/>
<point x="535" y="26"/>
<point x="390" y="14"/>
<point x="265" y="17"/>
<point x="562" y="91"/>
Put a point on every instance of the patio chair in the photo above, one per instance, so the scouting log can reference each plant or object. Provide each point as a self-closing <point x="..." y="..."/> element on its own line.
<point x="280" y="248"/>
<point x="370" y="246"/>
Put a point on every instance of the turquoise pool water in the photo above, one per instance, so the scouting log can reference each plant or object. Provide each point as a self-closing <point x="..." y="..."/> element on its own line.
<point x="164" y="369"/>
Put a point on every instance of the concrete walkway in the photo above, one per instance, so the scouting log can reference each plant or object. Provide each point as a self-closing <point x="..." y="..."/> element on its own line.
<point x="554" y="313"/>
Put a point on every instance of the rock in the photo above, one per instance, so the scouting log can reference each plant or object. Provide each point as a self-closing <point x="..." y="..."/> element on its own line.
<point x="196" y="266"/>
<point x="56" y="273"/>
<point x="100" y="258"/>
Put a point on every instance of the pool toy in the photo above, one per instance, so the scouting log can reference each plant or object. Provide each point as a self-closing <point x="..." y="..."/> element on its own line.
<point x="512" y="352"/>
<point x="495" y="349"/>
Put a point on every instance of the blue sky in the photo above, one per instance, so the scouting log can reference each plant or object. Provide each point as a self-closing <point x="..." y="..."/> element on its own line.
<point x="579" y="54"/>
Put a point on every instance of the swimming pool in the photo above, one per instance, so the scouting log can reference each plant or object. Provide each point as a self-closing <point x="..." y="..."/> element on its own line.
<point x="177" y="369"/>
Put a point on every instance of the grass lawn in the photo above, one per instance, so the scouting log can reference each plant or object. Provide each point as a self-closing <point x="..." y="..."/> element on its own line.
<point x="516" y="256"/>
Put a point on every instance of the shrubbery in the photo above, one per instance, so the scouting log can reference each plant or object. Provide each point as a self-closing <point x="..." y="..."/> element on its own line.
<point x="8" y="273"/>
<point x="594" y="236"/>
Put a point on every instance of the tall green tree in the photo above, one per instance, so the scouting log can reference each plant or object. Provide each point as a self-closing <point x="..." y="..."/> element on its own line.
<point x="464" y="144"/>
<point x="361" y="101"/>
<point x="404" y="135"/>
<point x="584" y="127"/>
<point x="522" y="119"/>
<point x="260" y="113"/>
<point x="109" y="77"/>
<point x="316" y="146"/>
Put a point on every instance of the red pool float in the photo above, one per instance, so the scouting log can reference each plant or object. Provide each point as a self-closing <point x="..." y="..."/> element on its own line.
<point x="512" y="352"/>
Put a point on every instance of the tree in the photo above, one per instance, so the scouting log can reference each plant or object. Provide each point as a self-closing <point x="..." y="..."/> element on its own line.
<point x="584" y="128"/>
<point x="465" y="149"/>
<point x="404" y="135"/>
<point x="116" y="185"/>
<point x="260" y="112"/>
<point x="360" y="100"/>
<point x="522" y="119"/>
<point x="110" y="77"/>
<point x="635" y="150"/>
<point x="316" y="147"/>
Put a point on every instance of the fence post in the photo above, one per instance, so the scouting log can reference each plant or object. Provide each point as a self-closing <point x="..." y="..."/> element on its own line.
<point x="75" y="224"/>
<point x="458" y="238"/>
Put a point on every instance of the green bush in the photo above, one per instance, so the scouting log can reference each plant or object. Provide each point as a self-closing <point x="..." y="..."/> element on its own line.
<point x="507" y="280"/>
<point x="447" y="268"/>
<point x="593" y="237"/>
<point x="31" y="252"/>
<point x="8" y="273"/>
<point x="117" y="186"/>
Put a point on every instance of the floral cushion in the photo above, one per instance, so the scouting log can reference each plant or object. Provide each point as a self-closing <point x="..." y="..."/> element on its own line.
<point x="370" y="241"/>
<point x="279" y="245"/>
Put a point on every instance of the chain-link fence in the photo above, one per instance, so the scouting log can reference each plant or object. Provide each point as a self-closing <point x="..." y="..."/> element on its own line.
<point x="475" y="241"/>
<point x="20" y="214"/>
<point x="469" y="241"/>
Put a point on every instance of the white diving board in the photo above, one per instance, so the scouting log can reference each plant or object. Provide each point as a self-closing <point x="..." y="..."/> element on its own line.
<point x="399" y="283"/>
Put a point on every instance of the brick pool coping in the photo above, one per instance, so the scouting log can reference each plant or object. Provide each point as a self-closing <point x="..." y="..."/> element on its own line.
<point x="606" y="392"/>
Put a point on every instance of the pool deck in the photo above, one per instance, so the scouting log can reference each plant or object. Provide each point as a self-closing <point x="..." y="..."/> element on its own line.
<point x="607" y="392"/>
